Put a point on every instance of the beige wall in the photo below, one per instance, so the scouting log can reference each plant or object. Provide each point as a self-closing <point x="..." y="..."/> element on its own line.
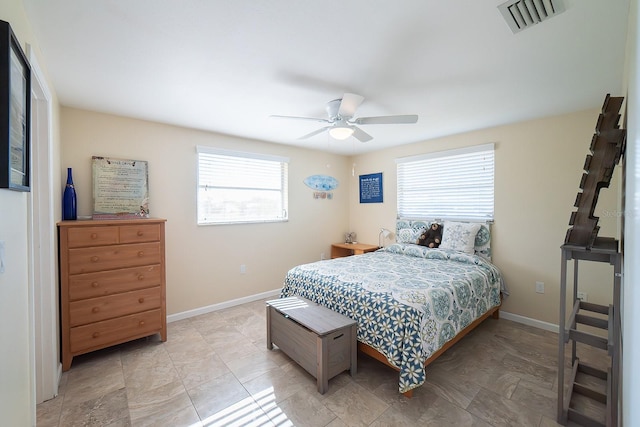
<point x="538" y="169"/>
<point x="203" y="262"/>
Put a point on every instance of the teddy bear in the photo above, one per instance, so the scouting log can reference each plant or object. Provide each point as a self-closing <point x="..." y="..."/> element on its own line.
<point x="432" y="236"/>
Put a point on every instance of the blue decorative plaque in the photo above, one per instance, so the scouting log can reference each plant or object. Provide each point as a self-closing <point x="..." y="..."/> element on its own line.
<point x="371" y="188"/>
<point x="321" y="182"/>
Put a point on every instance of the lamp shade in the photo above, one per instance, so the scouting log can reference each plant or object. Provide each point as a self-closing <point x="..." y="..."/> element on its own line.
<point x="384" y="233"/>
<point x="340" y="132"/>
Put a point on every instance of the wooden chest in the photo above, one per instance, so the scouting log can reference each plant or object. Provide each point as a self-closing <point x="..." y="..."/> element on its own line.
<point x="320" y="340"/>
<point x="112" y="283"/>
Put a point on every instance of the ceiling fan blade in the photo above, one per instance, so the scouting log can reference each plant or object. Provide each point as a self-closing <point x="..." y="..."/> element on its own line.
<point x="349" y="105"/>
<point x="300" y="118"/>
<point x="361" y="135"/>
<point x="386" y="120"/>
<point x="315" y="132"/>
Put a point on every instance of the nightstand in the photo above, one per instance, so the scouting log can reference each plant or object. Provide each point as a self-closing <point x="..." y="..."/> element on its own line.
<point x="339" y="250"/>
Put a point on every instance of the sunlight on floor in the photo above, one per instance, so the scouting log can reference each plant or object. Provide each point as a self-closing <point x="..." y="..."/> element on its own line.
<point x="249" y="413"/>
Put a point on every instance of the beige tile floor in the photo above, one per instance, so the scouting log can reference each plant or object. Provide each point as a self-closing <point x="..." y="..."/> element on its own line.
<point x="215" y="370"/>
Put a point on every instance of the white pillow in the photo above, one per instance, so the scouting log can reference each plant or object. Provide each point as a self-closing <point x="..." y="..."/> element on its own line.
<point x="459" y="236"/>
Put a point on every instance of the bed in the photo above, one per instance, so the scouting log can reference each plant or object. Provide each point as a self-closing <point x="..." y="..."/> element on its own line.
<point x="411" y="302"/>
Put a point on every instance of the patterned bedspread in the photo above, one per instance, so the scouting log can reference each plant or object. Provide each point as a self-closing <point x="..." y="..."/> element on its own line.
<point x="408" y="300"/>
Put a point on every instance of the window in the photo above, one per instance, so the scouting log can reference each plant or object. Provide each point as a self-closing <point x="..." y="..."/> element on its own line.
<point x="236" y="187"/>
<point x="453" y="184"/>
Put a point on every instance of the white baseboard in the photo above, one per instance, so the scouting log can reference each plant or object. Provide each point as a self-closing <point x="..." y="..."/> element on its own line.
<point x="276" y="292"/>
<point x="529" y="321"/>
<point x="215" y="307"/>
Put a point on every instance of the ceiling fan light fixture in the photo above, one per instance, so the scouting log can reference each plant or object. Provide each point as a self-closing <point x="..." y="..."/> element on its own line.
<point x="340" y="132"/>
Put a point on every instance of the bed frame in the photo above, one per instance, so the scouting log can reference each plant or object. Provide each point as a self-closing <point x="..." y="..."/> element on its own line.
<point x="370" y="351"/>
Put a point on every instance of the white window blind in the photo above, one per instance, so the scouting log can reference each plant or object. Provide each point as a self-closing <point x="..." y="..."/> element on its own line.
<point x="453" y="184"/>
<point x="237" y="187"/>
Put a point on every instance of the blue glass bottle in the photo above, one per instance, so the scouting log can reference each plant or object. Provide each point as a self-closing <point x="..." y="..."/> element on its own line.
<point x="69" y="203"/>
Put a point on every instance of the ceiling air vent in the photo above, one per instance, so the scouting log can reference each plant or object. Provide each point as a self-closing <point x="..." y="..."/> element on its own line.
<point x="522" y="14"/>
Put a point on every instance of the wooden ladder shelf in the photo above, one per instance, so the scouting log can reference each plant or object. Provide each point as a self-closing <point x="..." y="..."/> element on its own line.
<point x="601" y="387"/>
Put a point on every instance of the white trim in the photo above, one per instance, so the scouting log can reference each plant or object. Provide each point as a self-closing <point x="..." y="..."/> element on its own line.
<point x="447" y="153"/>
<point x="529" y="321"/>
<point x="42" y="271"/>
<point x="220" y="306"/>
<point x="276" y="292"/>
<point x="245" y="154"/>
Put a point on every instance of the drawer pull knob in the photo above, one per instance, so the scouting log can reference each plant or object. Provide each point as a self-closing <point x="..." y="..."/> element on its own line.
<point x="94" y="259"/>
<point x="95" y="334"/>
<point x="141" y="253"/>
<point x="94" y="284"/>
<point x="140" y="276"/>
<point x="95" y="309"/>
<point x="141" y="323"/>
<point x="141" y="300"/>
<point x="140" y="233"/>
<point x="94" y="235"/>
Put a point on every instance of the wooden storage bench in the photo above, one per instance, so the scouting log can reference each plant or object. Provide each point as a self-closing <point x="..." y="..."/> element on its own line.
<point x="322" y="341"/>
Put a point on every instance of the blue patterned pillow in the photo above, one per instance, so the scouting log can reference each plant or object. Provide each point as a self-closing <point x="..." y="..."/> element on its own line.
<point x="407" y="235"/>
<point x="483" y="242"/>
<point x="460" y="236"/>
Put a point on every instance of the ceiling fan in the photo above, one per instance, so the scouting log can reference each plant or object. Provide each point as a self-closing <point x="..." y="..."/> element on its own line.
<point x="342" y="124"/>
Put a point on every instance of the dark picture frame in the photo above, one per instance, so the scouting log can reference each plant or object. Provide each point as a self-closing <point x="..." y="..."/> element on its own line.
<point x="371" y="188"/>
<point x="15" y="113"/>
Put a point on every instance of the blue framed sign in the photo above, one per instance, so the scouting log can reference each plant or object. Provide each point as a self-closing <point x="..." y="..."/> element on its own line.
<point x="371" y="188"/>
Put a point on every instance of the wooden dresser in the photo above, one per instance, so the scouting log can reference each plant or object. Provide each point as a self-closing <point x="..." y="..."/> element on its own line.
<point x="112" y="283"/>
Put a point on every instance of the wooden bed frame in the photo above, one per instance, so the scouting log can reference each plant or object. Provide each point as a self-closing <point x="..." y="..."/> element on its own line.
<point x="370" y="351"/>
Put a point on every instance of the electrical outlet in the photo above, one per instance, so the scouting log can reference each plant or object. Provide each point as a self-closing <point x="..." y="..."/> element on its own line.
<point x="322" y="256"/>
<point x="582" y="296"/>
<point x="540" y="287"/>
<point x="243" y="268"/>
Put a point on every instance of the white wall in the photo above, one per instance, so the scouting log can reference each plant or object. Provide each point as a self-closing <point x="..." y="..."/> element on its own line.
<point x="15" y="369"/>
<point x="17" y="399"/>
<point x="631" y="275"/>
<point x="203" y="262"/>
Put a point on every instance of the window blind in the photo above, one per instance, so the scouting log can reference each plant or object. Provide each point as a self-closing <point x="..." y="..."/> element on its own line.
<point x="452" y="184"/>
<point x="239" y="187"/>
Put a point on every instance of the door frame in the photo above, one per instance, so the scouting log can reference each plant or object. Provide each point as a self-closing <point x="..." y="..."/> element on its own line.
<point x="43" y="304"/>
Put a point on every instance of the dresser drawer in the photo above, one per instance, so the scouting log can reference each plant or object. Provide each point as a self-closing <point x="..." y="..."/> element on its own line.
<point x="114" y="331"/>
<point x="102" y="308"/>
<point x="140" y="233"/>
<point x="86" y="260"/>
<point x="82" y="237"/>
<point x="103" y="283"/>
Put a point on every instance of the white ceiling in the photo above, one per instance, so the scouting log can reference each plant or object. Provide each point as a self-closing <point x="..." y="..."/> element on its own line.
<point x="225" y="66"/>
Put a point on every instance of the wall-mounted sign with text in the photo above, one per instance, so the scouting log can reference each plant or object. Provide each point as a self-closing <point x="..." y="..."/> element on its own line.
<point x="120" y="188"/>
<point x="371" y="188"/>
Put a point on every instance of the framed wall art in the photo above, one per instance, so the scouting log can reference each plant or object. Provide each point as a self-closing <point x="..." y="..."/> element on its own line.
<point x="120" y="188"/>
<point x="15" y="112"/>
<point x="371" y="188"/>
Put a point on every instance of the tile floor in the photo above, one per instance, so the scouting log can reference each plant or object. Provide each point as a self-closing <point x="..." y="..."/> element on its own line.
<point x="215" y="370"/>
